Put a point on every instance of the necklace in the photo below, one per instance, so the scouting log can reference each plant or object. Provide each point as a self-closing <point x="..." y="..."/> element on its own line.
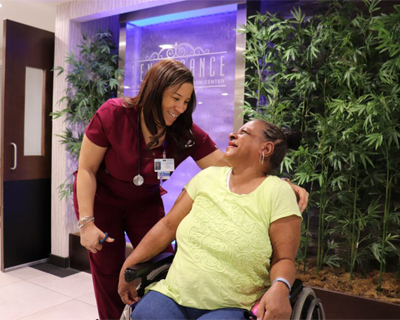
<point x="138" y="180"/>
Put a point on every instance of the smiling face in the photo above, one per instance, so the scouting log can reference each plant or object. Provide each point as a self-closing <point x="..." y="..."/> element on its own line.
<point x="247" y="144"/>
<point x="175" y="102"/>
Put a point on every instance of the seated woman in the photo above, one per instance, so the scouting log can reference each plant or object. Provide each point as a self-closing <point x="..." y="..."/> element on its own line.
<point x="238" y="232"/>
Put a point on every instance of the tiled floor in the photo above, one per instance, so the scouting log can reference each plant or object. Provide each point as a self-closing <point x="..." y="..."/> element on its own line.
<point x="28" y="293"/>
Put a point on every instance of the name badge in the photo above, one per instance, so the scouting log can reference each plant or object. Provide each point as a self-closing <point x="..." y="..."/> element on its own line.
<point x="164" y="165"/>
<point x="163" y="175"/>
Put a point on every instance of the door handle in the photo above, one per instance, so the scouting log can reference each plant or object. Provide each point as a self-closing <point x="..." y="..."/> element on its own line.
<point x="15" y="156"/>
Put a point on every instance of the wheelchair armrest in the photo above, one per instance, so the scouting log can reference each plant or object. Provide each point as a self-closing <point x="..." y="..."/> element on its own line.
<point x="142" y="270"/>
<point x="296" y="289"/>
<point x="149" y="271"/>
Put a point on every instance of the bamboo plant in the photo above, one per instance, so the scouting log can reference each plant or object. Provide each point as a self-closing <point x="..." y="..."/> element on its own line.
<point x="335" y="76"/>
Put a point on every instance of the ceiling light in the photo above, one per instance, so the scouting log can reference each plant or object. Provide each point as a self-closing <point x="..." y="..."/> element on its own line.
<point x="224" y="94"/>
<point x="185" y="15"/>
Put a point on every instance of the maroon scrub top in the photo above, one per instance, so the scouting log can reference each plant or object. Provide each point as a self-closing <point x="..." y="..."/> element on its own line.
<point x="116" y="128"/>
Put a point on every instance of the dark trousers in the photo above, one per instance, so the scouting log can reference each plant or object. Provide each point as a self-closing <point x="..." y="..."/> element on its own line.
<point x="106" y="264"/>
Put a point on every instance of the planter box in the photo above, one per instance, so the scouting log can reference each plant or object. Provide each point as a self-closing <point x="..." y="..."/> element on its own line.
<point x="343" y="306"/>
<point x="337" y="305"/>
<point x="78" y="255"/>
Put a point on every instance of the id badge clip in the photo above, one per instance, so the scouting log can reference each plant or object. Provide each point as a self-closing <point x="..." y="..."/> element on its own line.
<point x="164" y="167"/>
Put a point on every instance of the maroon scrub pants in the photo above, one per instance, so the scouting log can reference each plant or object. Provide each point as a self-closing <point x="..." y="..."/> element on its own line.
<point x="106" y="264"/>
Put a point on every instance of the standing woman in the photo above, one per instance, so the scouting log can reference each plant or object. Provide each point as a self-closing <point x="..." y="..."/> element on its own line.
<point x="117" y="189"/>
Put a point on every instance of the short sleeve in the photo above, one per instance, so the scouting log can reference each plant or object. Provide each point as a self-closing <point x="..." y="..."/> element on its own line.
<point x="192" y="188"/>
<point x="284" y="202"/>
<point x="100" y="125"/>
<point x="204" y="145"/>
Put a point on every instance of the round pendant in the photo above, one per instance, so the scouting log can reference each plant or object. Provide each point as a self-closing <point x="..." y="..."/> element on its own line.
<point x="138" y="180"/>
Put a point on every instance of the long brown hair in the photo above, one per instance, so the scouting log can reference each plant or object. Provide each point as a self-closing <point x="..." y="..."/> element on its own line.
<point x="163" y="75"/>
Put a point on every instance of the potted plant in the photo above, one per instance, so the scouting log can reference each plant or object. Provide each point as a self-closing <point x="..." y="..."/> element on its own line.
<point x="92" y="78"/>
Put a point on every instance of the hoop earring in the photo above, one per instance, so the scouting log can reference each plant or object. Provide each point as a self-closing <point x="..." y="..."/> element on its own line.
<point x="261" y="158"/>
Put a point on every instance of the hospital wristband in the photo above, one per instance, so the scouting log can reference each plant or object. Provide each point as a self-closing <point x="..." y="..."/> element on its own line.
<point x="283" y="280"/>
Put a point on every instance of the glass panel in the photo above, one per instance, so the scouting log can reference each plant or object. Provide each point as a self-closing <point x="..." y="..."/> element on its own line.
<point x="33" y="135"/>
<point x="207" y="46"/>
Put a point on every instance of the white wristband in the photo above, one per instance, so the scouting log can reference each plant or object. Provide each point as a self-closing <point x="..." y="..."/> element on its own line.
<point x="283" y="280"/>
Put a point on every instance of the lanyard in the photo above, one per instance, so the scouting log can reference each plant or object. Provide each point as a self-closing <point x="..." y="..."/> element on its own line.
<point x="164" y="154"/>
<point x="138" y="180"/>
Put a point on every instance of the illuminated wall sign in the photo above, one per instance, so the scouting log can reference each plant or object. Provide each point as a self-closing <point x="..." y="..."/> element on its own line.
<point x="208" y="68"/>
<point x="207" y="46"/>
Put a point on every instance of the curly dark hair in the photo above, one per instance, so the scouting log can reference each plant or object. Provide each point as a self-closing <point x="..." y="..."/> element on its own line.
<point x="284" y="139"/>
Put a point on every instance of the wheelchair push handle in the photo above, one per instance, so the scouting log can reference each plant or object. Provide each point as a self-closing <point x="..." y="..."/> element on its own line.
<point x="249" y="315"/>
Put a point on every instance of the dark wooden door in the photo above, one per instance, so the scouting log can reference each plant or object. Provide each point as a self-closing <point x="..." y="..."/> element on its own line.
<point x="28" y="58"/>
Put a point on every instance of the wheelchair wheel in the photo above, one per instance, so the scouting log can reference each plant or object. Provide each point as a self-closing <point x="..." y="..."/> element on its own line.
<point x="307" y="306"/>
<point x="126" y="314"/>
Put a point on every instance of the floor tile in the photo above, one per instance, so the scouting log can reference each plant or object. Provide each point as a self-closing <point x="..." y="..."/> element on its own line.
<point x="26" y="273"/>
<point x="20" y="299"/>
<point x="6" y="279"/>
<point x="72" y="286"/>
<point x="71" y="310"/>
<point x="88" y="298"/>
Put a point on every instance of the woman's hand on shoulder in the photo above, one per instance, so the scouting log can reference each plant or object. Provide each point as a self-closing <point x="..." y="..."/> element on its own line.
<point x="275" y="303"/>
<point x="301" y="195"/>
<point x="91" y="236"/>
<point x="214" y="159"/>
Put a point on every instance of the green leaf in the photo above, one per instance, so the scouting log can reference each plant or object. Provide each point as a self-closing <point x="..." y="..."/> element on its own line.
<point x="90" y="77"/>
<point x="113" y="83"/>
<point x="374" y="139"/>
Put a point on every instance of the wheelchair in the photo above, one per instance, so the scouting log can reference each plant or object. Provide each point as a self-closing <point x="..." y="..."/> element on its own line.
<point x="304" y="302"/>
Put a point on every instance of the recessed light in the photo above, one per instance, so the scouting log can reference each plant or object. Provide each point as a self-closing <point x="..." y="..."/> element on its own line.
<point x="1" y="5"/>
<point x="199" y="102"/>
<point x="224" y="94"/>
